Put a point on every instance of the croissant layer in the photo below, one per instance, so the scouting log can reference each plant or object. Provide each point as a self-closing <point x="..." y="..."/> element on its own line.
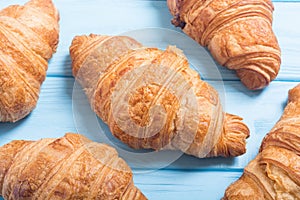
<point x="29" y="37"/>
<point x="275" y="172"/>
<point x="152" y="99"/>
<point x="238" y="34"/>
<point x="70" y="167"/>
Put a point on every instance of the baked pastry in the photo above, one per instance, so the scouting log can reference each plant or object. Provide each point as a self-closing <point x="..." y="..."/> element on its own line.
<point x="70" y="167"/>
<point x="151" y="99"/>
<point x="238" y="34"/>
<point x="275" y="172"/>
<point x="29" y="37"/>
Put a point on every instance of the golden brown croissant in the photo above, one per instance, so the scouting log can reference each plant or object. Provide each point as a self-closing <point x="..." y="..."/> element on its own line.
<point x="29" y="37"/>
<point x="151" y="98"/>
<point x="238" y="34"/>
<point x="275" y="172"/>
<point x="71" y="167"/>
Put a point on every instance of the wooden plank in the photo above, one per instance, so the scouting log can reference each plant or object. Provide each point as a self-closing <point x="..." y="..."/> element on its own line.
<point x="51" y="118"/>
<point x="157" y="15"/>
<point x="54" y="116"/>
<point x="116" y="17"/>
<point x="192" y="185"/>
<point x="178" y="185"/>
<point x="187" y="177"/>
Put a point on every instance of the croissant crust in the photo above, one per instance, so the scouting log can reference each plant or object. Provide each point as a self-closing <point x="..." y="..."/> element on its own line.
<point x="238" y="34"/>
<point x="29" y="37"/>
<point x="151" y="99"/>
<point x="275" y="172"/>
<point x="70" y="167"/>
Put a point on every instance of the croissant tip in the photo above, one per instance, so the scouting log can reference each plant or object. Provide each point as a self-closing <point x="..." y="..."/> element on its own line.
<point x="294" y="94"/>
<point x="17" y="111"/>
<point x="174" y="8"/>
<point x="252" y="79"/>
<point x="172" y="5"/>
<point x="232" y="143"/>
<point x="46" y="5"/>
<point x="237" y="132"/>
<point x="133" y="193"/>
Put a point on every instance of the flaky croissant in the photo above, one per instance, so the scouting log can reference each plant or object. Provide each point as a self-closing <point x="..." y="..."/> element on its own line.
<point x="29" y="37"/>
<point x="71" y="167"/>
<point x="275" y="172"/>
<point x="151" y="98"/>
<point x="238" y="34"/>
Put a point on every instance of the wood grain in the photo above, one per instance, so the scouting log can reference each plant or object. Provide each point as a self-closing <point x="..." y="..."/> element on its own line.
<point x="138" y="14"/>
<point x="188" y="177"/>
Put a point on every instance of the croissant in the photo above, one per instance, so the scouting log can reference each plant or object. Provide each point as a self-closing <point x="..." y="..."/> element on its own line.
<point x="275" y="172"/>
<point x="238" y="34"/>
<point x="70" y="167"/>
<point x="151" y="99"/>
<point x="29" y="37"/>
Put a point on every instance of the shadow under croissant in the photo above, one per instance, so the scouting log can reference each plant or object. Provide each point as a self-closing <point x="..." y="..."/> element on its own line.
<point x="7" y="127"/>
<point x="184" y="161"/>
<point x="164" y="17"/>
<point x="67" y="73"/>
<point x="240" y="88"/>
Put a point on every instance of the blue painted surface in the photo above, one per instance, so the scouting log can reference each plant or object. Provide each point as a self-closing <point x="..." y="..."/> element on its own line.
<point x="187" y="177"/>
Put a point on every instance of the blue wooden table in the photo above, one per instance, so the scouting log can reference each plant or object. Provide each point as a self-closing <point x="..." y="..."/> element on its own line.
<point x="187" y="177"/>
